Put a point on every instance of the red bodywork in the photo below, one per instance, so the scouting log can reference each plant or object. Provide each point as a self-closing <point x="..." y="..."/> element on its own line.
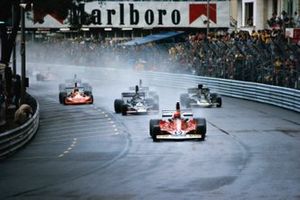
<point x="78" y="98"/>
<point x="178" y="126"/>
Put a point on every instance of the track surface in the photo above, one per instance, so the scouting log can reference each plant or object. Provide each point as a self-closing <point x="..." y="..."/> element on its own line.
<point x="89" y="152"/>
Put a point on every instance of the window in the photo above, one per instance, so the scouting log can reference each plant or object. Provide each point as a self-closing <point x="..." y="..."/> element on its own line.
<point x="290" y="8"/>
<point x="275" y="6"/>
<point x="249" y="14"/>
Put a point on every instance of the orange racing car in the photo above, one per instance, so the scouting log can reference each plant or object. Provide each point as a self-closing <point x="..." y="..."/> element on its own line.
<point x="79" y="93"/>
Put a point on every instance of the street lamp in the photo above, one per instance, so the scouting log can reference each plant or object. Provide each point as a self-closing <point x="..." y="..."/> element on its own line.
<point x="23" y="49"/>
<point x="207" y="28"/>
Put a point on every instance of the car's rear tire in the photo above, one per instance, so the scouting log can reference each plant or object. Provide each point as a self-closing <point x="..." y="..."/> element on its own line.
<point x="201" y="127"/>
<point x="124" y="109"/>
<point x="118" y="105"/>
<point x="60" y="98"/>
<point x="219" y="102"/>
<point x="88" y="93"/>
<point x="92" y="97"/>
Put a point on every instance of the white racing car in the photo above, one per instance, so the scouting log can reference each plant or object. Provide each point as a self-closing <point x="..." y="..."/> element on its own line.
<point x="200" y="96"/>
<point x="135" y="103"/>
<point x="149" y="93"/>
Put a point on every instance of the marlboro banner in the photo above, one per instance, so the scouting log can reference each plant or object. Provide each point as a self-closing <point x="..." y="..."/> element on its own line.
<point x="153" y="14"/>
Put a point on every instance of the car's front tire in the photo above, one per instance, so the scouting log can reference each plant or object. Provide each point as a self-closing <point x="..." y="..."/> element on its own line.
<point x="153" y="123"/>
<point x="155" y="132"/>
<point x="124" y="109"/>
<point x="201" y="127"/>
<point x="118" y="105"/>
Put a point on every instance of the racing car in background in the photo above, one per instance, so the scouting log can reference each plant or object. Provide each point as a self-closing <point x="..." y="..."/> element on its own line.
<point x="48" y="76"/>
<point x="148" y="92"/>
<point x="200" y="96"/>
<point x="135" y="103"/>
<point x="177" y="125"/>
<point x="74" y="92"/>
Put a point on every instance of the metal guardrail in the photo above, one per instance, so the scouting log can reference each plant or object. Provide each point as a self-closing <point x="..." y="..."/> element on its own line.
<point x="274" y="95"/>
<point x="14" y="139"/>
<point x="279" y="96"/>
<point x="287" y="98"/>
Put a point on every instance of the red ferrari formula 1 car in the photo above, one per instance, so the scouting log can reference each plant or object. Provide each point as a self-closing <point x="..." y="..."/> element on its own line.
<point x="177" y="124"/>
<point x="72" y="93"/>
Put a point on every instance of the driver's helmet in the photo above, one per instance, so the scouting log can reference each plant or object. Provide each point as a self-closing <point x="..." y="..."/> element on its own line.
<point x="76" y="90"/>
<point x="176" y="115"/>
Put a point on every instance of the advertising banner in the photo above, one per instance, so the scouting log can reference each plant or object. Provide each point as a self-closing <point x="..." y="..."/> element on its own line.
<point x="150" y="14"/>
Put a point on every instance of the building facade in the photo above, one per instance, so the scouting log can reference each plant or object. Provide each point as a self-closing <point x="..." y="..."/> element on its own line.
<point x="253" y="14"/>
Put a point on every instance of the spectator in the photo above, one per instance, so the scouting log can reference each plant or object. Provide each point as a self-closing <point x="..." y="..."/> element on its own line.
<point x="2" y="103"/>
<point x="297" y="20"/>
<point x="24" y="113"/>
<point x="236" y="55"/>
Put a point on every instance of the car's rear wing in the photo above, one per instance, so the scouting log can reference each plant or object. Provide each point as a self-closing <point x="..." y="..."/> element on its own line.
<point x="140" y="88"/>
<point x="169" y="113"/>
<point x="132" y="94"/>
<point x="70" y="88"/>
<point x="73" y="81"/>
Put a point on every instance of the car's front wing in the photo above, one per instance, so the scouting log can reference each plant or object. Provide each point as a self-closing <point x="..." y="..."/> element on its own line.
<point x="178" y="137"/>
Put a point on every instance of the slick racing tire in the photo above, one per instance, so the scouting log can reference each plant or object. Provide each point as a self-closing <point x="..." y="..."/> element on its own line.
<point x="201" y="127"/>
<point x="87" y="93"/>
<point x="155" y="132"/>
<point x="124" y="109"/>
<point x="62" y="96"/>
<point x="92" y="97"/>
<point x="153" y="123"/>
<point x="219" y="102"/>
<point x="118" y="105"/>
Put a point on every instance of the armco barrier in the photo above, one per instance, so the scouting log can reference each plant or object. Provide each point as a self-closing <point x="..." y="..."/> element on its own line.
<point x="274" y="95"/>
<point x="278" y="96"/>
<point x="287" y="98"/>
<point x="14" y="139"/>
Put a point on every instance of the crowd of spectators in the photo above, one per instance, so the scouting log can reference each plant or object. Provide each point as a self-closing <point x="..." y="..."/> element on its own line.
<point x="262" y="56"/>
<point x="284" y="21"/>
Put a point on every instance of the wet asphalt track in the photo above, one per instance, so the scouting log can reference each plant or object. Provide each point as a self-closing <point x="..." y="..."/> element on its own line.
<point x="89" y="152"/>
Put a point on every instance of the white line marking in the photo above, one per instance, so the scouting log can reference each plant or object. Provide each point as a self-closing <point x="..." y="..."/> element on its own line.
<point x="61" y="155"/>
<point x="69" y="148"/>
<point x="66" y="152"/>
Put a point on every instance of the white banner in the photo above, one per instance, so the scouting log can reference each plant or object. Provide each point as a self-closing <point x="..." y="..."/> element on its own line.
<point x="130" y="14"/>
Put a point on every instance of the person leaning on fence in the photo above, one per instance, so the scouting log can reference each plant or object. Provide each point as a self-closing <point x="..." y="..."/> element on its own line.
<point x="23" y="113"/>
